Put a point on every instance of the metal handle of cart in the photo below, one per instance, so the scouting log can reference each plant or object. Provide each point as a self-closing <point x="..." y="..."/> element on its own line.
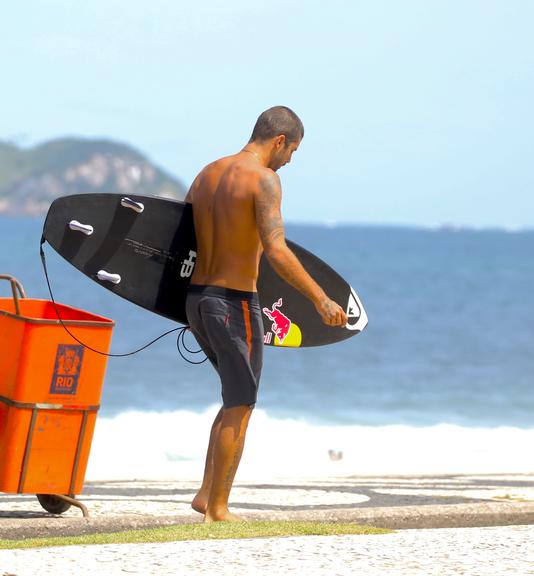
<point x="16" y="288"/>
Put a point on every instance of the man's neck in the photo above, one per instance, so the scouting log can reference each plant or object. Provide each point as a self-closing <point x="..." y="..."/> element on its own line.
<point x="256" y="153"/>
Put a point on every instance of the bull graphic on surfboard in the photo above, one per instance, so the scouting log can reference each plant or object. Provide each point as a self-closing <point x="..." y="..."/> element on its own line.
<point x="143" y="248"/>
<point x="286" y="332"/>
<point x="281" y="323"/>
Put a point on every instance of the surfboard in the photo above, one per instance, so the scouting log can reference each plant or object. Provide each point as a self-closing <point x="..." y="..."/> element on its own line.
<point x="143" y="248"/>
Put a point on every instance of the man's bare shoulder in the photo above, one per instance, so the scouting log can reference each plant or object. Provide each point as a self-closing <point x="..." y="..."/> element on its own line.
<point x="245" y="173"/>
<point x="268" y="182"/>
<point x="217" y="165"/>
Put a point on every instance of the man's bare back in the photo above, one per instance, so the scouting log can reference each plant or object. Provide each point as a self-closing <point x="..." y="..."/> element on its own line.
<point x="229" y="247"/>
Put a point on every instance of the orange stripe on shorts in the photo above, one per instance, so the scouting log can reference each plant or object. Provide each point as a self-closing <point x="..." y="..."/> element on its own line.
<point x="248" y="328"/>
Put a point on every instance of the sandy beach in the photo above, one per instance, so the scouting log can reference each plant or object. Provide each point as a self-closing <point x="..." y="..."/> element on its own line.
<point x="446" y="524"/>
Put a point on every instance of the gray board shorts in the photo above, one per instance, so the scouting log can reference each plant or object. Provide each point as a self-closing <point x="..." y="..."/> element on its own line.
<point x="228" y="326"/>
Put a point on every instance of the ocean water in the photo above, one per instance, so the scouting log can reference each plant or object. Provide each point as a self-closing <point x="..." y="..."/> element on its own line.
<point x="441" y="380"/>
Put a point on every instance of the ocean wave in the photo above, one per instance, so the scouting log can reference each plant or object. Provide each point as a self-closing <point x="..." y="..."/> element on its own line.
<point x="166" y="445"/>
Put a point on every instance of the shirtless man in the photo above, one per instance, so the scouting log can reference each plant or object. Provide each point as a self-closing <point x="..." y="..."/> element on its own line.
<point x="236" y="206"/>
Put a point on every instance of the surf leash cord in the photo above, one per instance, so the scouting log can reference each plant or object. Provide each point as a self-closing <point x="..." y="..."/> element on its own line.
<point x="180" y="340"/>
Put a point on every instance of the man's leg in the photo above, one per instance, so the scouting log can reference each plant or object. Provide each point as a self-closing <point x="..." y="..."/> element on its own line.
<point x="200" y="502"/>
<point x="227" y="451"/>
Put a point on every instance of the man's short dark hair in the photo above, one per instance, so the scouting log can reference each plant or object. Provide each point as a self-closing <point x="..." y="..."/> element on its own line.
<point x="276" y="121"/>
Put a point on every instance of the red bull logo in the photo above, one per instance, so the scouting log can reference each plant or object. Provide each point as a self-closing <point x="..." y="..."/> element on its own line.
<point x="281" y="323"/>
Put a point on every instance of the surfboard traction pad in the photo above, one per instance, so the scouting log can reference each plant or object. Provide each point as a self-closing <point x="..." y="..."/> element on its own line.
<point x="153" y="251"/>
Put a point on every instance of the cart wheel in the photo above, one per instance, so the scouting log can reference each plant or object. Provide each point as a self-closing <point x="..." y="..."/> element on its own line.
<point x="52" y="503"/>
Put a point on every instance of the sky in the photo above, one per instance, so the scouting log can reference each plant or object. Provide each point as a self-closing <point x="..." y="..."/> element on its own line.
<point x="417" y="112"/>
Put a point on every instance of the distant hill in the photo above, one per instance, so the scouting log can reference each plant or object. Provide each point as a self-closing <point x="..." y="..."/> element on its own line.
<point x="30" y="179"/>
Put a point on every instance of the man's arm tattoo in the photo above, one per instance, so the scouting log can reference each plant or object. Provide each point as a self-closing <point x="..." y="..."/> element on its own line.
<point x="268" y="218"/>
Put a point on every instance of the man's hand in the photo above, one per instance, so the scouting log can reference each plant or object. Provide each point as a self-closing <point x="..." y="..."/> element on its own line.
<point x="331" y="312"/>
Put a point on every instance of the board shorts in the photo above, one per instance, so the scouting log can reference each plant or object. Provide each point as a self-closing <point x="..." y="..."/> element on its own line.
<point x="228" y="326"/>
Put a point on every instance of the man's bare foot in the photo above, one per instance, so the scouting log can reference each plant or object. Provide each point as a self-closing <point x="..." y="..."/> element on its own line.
<point x="199" y="504"/>
<point x="222" y="517"/>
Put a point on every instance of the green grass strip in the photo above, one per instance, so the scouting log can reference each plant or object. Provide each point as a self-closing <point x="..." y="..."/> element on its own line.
<point x="216" y="531"/>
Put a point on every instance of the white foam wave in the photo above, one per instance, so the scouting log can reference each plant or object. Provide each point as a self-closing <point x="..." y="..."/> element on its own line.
<point x="173" y="444"/>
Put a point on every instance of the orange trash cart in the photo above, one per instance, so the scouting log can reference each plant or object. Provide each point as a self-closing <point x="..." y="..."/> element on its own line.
<point x="50" y="388"/>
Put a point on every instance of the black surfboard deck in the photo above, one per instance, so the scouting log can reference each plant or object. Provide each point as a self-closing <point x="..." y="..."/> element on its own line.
<point x="143" y="248"/>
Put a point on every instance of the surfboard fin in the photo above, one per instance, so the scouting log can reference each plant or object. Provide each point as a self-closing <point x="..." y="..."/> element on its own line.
<point x="135" y="206"/>
<point x="108" y="277"/>
<point x="86" y="229"/>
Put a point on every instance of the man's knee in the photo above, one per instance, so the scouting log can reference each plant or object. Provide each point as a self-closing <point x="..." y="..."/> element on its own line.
<point x="237" y="416"/>
<point x="242" y="409"/>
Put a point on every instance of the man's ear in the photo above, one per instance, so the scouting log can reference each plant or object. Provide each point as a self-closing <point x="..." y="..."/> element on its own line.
<point x="280" y="141"/>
